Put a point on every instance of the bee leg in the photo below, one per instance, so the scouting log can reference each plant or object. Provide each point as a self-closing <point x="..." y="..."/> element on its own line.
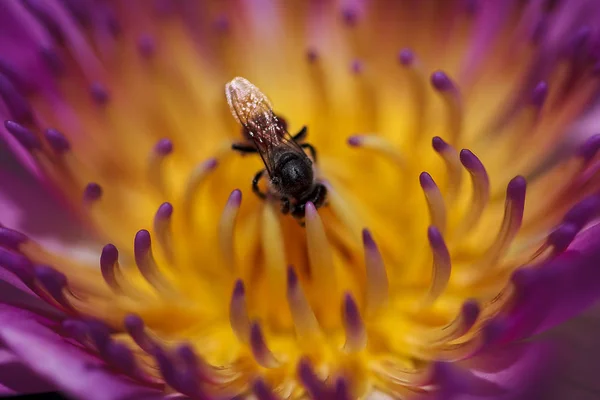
<point x="319" y="195"/>
<point x="285" y="205"/>
<point x="311" y="149"/>
<point x="298" y="210"/>
<point x="255" y="187"/>
<point x="301" y="135"/>
<point x="243" y="148"/>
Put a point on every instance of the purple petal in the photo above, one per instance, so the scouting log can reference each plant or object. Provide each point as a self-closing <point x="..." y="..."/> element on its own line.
<point x="72" y="370"/>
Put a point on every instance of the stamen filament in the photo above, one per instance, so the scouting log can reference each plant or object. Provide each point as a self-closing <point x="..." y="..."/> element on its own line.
<point x="379" y="145"/>
<point x="322" y="273"/>
<point x="442" y="265"/>
<point x="227" y="228"/>
<point x="481" y="191"/>
<point x="435" y="201"/>
<point x="197" y="178"/>
<point x="274" y="253"/>
<point x="377" y="280"/>
<point x="260" y="350"/>
<point x="305" y="322"/>
<point x="161" y="150"/>
<point x="163" y="230"/>
<point x="451" y="96"/>
<point x="144" y="259"/>
<point x="238" y="313"/>
<point x="453" y="166"/>
<point x="356" y="334"/>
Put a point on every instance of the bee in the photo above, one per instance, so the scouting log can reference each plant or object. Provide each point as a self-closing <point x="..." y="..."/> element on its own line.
<point x="289" y="170"/>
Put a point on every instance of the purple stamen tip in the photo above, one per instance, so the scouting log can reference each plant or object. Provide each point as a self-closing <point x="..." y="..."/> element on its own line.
<point x="163" y="147"/>
<point x="99" y="93"/>
<point x="211" y="163"/>
<point x="441" y="81"/>
<point x="341" y="389"/>
<point x="406" y="57"/>
<point x="493" y="331"/>
<point x="516" y="189"/>
<point x="524" y="278"/>
<point x="562" y="236"/>
<point x="133" y="323"/>
<point x="165" y="210"/>
<point x="238" y="289"/>
<point x="439" y="144"/>
<point x="121" y="356"/>
<point x="351" y="310"/>
<point x="350" y="16"/>
<point x="222" y="23"/>
<point x="109" y="255"/>
<point x="235" y="198"/>
<point x="583" y="211"/>
<point x="57" y="141"/>
<point x="357" y="66"/>
<point x="50" y="278"/>
<point x="354" y="141"/>
<point x="308" y="378"/>
<point x="292" y="278"/>
<point x="470" y="160"/>
<point x="23" y="135"/>
<point x="470" y="311"/>
<point x="312" y="55"/>
<point x="92" y="192"/>
<point x="589" y="148"/>
<point x="367" y="238"/>
<point x="141" y="245"/>
<point x="426" y="181"/>
<point x="146" y="45"/>
<point x="11" y="239"/>
<point x="262" y="391"/>
<point x="539" y="94"/>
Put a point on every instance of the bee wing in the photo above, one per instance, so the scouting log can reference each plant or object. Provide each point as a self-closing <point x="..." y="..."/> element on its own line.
<point x="252" y="109"/>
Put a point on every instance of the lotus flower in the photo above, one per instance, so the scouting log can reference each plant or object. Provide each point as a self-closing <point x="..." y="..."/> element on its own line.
<point x="455" y="143"/>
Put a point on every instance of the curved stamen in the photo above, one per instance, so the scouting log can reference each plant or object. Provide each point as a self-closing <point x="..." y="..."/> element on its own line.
<point x="161" y="150"/>
<point x="469" y="313"/>
<point x="377" y="280"/>
<point x="24" y="136"/>
<point x="227" y="228"/>
<point x="418" y="84"/>
<point x="379" y="145"/>
<point x="195" y="181"/>
<point x="511" y="223"/>
<point x="453" y="166"/>
<point x="451" y="96"/>
<point x="260" y="350"/>
<point x="320" y="258"/>
<point x="57" y="141"/>
<point x="134" y="326"/>
<point x="356" y="334"/>
<point x="314" y="385"/>
<point x="274" y="253"/>
<point x="342" y="391"/>
<point x="163" y="230"/>
<point x="109" y="264"/>
<point x="238" y="313"/>
<point x="262" y="391"/>
<point x="481" y="191"/>
<point x="304" y="319"/>
<point x="442" y="265"/>
<point x="435" y="201"/>
<point x="144" y="259"/>
<point x="54" y="283"/>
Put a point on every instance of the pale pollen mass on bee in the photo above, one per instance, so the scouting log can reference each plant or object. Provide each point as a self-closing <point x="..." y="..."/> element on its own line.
<point x="289" y="170"/>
